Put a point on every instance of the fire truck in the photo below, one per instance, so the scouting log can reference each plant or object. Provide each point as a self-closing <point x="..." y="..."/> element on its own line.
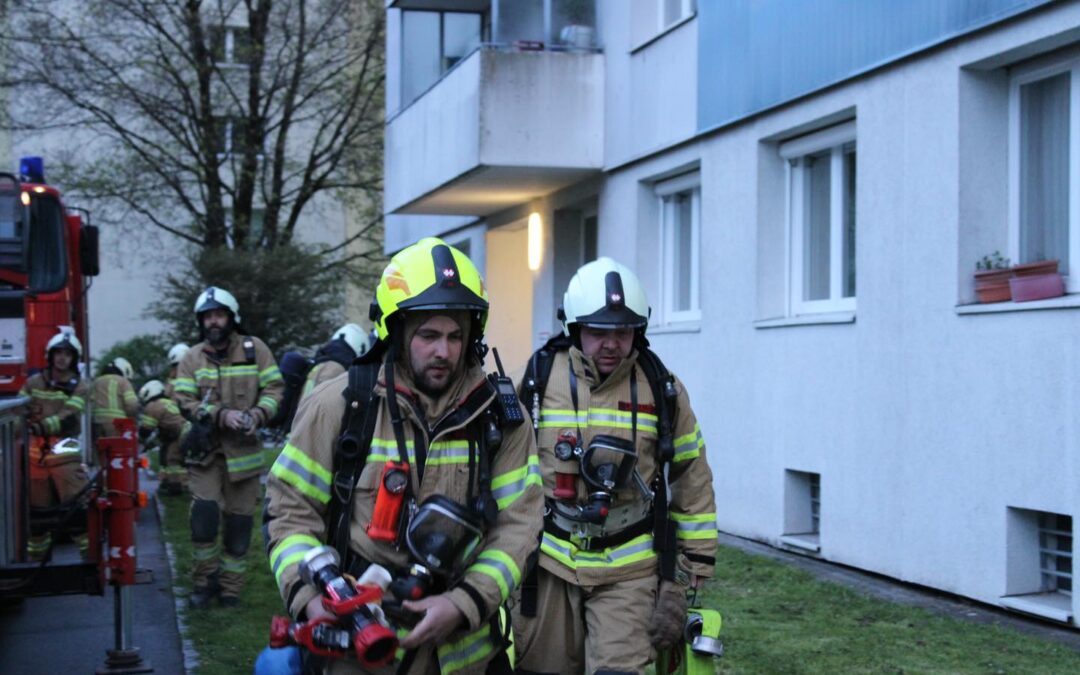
<point x="48" y="257"/>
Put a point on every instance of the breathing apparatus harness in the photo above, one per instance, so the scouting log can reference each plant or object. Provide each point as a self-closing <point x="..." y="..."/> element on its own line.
<point x="662" y="384"/>
<point x="484" y="437"/>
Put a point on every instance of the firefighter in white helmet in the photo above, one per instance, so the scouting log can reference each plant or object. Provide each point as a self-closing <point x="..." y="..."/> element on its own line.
<point x="161" y="414"/>
<point x="57" y="401"/>
<point x="617" y="439"/>
<point x="229" y="385"/>
<point x="114" y="397"/>
<point x="334" y="357"/>
<point x="176" y="354"/>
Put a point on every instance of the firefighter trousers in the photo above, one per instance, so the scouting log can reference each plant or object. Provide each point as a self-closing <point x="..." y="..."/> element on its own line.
<point x="228" y="507"/>
<point x="54" y="482"/>
<point x="586" y="629"/>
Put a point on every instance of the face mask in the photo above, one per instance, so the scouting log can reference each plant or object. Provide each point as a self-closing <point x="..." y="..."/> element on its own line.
<point x="443" y="535"/>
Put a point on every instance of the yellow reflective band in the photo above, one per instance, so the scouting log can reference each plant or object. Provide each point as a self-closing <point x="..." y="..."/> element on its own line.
<point x="129" y="396"/>
<point x="204" y="553"/>
<point x="689" y="445"/>
<point x="185" y="384"/>
<point x="268" y="375"/>
<point x="147" y="421"/>
<point x="500" y="567"/>
<point x="447" y="452"/>
<point x="171" y="407"/>
<point x="234" y="565"/>
<point x="507" y="487"/>
<point x="471" y="649"/>
<point x="695" y="525"/>
<point x="76" y="402"/>
<point x="388" y="451"/>
<point x="245" y="462"/>
<point x="291" y="551"/>
<point x="303" y="473"/>
<point x="637" y="549"/>
<point x="269" y="403"/>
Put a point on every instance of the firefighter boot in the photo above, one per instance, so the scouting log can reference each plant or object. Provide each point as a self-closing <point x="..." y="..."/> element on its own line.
<point x="202" y="596"/>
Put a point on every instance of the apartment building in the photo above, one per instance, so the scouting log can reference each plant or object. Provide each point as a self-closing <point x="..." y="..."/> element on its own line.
<point x="805" y="189"/>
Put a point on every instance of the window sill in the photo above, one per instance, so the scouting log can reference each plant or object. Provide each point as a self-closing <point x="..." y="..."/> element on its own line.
<point x="689" y="327"/>
<point x="667" y="29"/>
<point x="1053" y="606"/>
<point x="1064" y="302"/>
<point x="807" y="320"/>
<point x="806" y="542"/>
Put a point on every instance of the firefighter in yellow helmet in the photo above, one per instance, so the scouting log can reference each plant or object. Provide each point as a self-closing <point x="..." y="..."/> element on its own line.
<point x="57" y="474"/>
<point x="114" y="397"/>
<point x="228" y="385"/>
<point x="470" y="496"/>
<point x="630" y="517"/>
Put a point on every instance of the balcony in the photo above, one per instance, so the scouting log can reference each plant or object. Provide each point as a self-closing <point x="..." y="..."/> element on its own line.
<point x="504" y="121"/>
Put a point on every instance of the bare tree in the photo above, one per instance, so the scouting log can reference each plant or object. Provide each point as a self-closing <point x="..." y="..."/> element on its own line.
<point x="219" y="122"/>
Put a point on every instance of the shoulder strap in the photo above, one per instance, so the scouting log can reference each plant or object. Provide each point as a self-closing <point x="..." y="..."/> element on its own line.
<point x="537" y="371"/>
<point x="357" y="429"/>
<point x="665" y="398"/>
<point x="249" y="349"/>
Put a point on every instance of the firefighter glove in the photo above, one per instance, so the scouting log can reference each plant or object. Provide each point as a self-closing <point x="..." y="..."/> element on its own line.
<point x="670" y="615"/>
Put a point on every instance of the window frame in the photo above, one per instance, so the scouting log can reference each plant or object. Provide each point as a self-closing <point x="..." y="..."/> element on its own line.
<point x="443" y="69"/>
<point x="1020" y="77"/>
<point x="228" y="46"/>
<point x="664" y="190"/>
<point x="834" y="139"/>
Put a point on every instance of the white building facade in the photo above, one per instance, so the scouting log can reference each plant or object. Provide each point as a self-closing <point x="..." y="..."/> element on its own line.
<point x="804" y="189"/>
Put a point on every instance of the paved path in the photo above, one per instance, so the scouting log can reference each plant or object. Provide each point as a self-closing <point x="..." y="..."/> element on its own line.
<point x="68" y="635"/>
<point x="892" y="590"/>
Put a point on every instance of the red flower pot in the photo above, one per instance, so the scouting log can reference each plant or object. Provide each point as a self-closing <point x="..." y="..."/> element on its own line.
<point x="1032" y="269"/>
<point x="993" y="285"/>
<point x="1037" y="287"/>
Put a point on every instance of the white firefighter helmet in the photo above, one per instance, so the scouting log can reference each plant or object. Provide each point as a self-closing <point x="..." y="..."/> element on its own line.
<point x="354" y="336"/>
<point x="216" y="297"/>
<point x="151" y="390"/>
<point x="64" y="340"/>
<point x="124" y="366"/>
<point x="605" y="294"/>
<point x="176" y="353"/>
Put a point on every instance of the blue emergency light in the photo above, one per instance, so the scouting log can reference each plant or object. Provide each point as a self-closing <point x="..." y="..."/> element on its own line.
<point x="32" y="169"/>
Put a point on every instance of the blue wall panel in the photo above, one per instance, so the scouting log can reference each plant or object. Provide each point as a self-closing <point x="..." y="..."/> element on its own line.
<point x="755" y="54"/>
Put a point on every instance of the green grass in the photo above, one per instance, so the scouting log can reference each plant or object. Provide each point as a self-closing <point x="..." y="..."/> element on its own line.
<point x="781" y="620"/>
<point x="776" y="620"/>
<point x="227" y="640"/>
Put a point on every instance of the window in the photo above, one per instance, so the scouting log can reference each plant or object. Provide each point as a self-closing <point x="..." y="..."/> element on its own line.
<point x="231" y="132"/>
<point x="673" y="11"/>
<point x="432" y="43"/>
<point x="680" y="248"/>
<point x="821" y="220"/>
<point x="1043" y="134"/>
<point x="230" y="45"/>
<point x="802" y="510"/>
<point x="1039" y="563"/>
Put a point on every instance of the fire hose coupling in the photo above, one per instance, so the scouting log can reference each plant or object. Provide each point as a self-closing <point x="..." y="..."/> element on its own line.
<point x="702" y="632"/>
<point x="355" y="604"/>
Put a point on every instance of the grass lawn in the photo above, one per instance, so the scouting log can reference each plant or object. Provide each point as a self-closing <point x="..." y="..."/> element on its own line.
<point x="227" y="640"/>
<point x="776" y="620"/>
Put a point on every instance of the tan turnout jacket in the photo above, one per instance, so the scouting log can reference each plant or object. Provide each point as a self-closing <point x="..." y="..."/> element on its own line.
<point x="114" y="398"/>
<point x="298" y="492"/>
<point x="604" y="407"/>
<point x="233" y="384"/>
<point x="57" y="405"/>
<point x="164" y="415"/>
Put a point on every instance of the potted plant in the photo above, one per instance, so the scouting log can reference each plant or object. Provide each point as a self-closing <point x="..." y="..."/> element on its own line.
<point x="992" y="275"/>
<point x="1036" y="281"/>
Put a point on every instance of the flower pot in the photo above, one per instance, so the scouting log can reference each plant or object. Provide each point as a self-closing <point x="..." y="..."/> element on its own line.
<point x="993" y="285"/>
<point x="1032" y="269"/>
<point x="1037" y="287"/>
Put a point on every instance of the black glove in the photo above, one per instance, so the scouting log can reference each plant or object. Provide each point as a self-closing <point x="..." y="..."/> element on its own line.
<point x="669" y="618"/>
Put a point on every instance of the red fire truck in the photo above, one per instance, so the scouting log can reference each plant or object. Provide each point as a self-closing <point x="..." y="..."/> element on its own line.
<point x="48" y="255"/>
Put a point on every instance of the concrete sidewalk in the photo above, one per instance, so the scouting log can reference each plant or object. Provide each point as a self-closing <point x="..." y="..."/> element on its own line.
<point x="891" y="590"/>
<point x="68" y="635"/>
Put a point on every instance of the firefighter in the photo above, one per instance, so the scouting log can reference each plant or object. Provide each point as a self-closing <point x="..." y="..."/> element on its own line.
<point x="114" y="397"/>
<point x="161" y="414"/>
<point x="430" y="400"/>
<point x="334" y="357"/>
<point x="175" y="356"/>
<point x="57" y="474"/>
<point x="601" y="600"/>
<point x="228" y="385"/>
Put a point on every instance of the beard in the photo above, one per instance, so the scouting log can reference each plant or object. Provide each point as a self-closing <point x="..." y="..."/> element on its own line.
<point x="435" y="378"/>
<point x="216" y="336"/>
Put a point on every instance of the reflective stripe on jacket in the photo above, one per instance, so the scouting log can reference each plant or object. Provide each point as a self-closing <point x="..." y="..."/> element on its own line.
<point x="604" y="407"/>
<point x="298" y="492"/>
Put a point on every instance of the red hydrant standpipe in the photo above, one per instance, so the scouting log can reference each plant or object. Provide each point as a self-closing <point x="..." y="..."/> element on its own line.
<point x="121" y="500"/>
